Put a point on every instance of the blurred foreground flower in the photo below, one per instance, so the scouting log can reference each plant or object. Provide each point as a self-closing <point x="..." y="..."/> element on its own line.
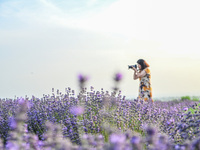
<point x="117" y="138"/>
<point x="82" y="80"/>
<point x="118" y="77"/>
<point x="185" y="109"/>
<point x="77" y="110"/>
<point x="136" y="143"/>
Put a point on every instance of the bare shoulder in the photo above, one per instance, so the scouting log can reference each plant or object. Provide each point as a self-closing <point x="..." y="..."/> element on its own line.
<point x="143" y="73"/>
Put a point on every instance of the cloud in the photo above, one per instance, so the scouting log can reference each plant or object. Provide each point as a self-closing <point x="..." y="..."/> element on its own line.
<point x="117" y="18"/>
<point x="49" y="5"/>
<point x="174" y="26"/>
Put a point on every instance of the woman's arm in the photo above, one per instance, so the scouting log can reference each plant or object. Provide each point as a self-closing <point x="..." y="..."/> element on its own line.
<point x="135" y="74"/>
<point x="138" y="74"/>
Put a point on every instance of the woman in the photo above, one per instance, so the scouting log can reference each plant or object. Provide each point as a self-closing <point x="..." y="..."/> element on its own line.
<point x="144" y="75"/>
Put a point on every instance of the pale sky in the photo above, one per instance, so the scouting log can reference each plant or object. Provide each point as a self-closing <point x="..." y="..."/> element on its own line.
<point x="45" y="44"/>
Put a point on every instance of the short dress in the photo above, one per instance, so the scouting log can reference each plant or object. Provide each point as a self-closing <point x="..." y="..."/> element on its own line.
<point x="145" y="89"/>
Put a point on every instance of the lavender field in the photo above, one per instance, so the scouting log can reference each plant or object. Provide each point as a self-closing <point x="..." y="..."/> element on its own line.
<point x="95" y="120"/>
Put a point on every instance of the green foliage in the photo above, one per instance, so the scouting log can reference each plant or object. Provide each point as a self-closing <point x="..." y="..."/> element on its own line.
<point x="105" y="134"/>
<point x="193" y="98"/>
<point x="194" y="109"/>
<point x="185" y="98"/>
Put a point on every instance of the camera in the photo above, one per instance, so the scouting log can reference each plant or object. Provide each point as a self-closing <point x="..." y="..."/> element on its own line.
<point x="131" y="66"/>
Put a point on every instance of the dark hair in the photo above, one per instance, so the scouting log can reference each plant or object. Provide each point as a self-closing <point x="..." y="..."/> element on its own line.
<point x="143" y="64"/>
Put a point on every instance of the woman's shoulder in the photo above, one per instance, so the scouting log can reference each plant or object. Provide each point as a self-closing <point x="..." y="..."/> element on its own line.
<point x="147" y="70"/>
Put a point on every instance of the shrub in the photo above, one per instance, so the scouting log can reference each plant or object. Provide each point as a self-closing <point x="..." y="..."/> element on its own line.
<point x="185" y="98"/>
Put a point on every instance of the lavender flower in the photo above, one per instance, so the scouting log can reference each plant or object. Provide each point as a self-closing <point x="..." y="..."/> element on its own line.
<point x="136" y="143"/>
<point x="77" y="110"/>
<point x="118" y="77"/>
<point x="82" y="78"/>
<point x="185" y="108"/>
<point x="54" y="122"/>
<point x="117" y="138"/>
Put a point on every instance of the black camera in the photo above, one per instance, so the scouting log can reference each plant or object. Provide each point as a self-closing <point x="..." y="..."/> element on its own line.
<point x="131" y="66"/>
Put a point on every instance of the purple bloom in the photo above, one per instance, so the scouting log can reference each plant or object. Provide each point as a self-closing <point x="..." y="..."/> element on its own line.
<point x="13" y="124"/>
<point x="117" y="138"/>
<point x="135" y="140"/>
<point x="100" y="137"/>
<point x="82" y="78"/>
<point x="85" y="136"/>
<point x="185" y="108"/>
<point x="118" y="77"/>
<point x="12" y="146"/>
<point x="21" y="100"/>
<point x="77" y="110"/>
<point x="150" y="131"/>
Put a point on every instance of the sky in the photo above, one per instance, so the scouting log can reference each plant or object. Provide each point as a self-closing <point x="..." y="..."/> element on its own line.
<point x="45" y="44"/>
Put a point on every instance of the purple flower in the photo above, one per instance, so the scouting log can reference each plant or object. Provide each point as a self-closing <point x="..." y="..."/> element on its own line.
<point x="118" y="77"/>
<point x="82" y="78"/>
<point x="151" y="131"/>
<point x="77" y="110"/>
<point x="135" y="140"/>
<point x="100" y="137"/>
<point x="21" y="100"/>
<point x="13" y="124"/>
<point x="12" y="146"/>
<point x="117" y="138"/>
<point x="185" y="108"/>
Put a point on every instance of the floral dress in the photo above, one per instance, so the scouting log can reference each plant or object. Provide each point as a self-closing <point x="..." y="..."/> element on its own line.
<point x="145" y="90"/>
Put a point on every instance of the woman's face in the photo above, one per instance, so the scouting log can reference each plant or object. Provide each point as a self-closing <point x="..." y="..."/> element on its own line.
<point x="139" y="66"/>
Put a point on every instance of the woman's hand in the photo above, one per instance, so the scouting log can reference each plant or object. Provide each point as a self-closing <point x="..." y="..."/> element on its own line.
<point x="134" y="69"/>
